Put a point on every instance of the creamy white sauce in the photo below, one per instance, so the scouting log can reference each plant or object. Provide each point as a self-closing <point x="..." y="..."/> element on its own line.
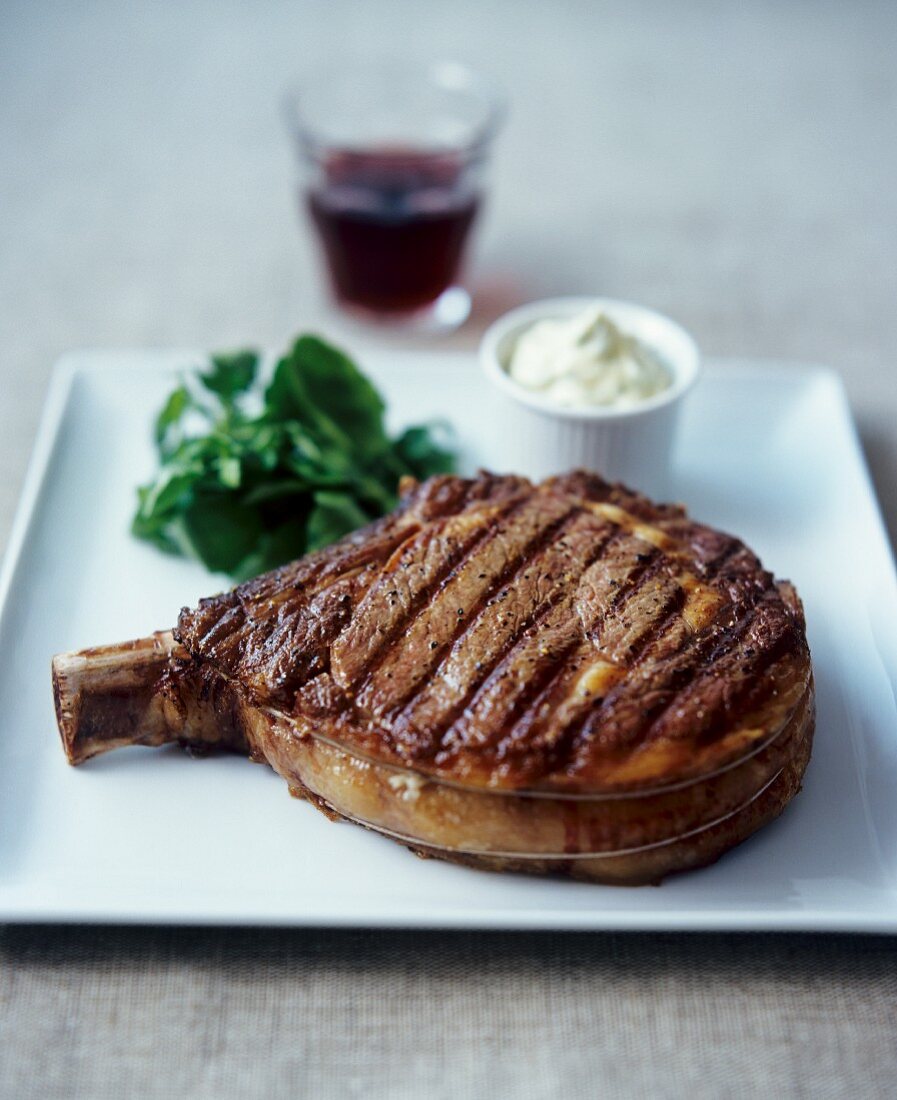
<point x="587" y="360"/>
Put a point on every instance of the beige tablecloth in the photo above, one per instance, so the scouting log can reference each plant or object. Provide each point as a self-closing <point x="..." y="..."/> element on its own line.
<point x="732" y="164"/>
<point x="164" y="1013"/>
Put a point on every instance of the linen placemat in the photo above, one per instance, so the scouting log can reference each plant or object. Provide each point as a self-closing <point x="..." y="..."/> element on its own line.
<point x="216" y="1013"/>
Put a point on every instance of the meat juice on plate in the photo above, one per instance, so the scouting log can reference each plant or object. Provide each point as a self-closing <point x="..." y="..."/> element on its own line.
<point x="393" y="225"/>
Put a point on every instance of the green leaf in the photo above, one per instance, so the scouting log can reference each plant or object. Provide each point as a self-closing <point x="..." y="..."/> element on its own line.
<point x="283" y="544"/>
<point x="219" y="530"/>
<point x="268" y="491"/>
<point x="246" y="492"/>
<point x="229" y="472"/>
<point x="173" y="488"/>
<point x="321" y="387"/>
<point x="427" y="450"/>
<point x="333" y="515"/>
<point x="172" y="412"/>
<point x="231" y="374"/>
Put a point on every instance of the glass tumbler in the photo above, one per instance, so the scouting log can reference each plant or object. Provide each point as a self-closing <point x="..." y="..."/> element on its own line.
<point x="392" y="157"/>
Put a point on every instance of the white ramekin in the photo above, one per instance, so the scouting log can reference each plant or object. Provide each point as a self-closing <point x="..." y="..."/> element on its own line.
<point x="632" y="445"/>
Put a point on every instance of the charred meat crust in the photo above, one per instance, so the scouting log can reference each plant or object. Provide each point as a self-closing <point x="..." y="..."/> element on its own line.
<point x="569" y="635"/>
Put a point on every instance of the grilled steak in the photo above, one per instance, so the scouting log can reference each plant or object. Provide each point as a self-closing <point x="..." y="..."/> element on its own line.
<point x="552" y="677"/>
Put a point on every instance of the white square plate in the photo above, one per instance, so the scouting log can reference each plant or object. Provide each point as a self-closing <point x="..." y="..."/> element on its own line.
<point x="768" y="452"/>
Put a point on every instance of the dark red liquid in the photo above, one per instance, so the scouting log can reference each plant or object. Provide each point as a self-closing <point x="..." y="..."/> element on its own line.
<point x="393" y="226"/>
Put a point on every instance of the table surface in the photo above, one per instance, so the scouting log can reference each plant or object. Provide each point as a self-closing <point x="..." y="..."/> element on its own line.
<point x="732" y="165"/>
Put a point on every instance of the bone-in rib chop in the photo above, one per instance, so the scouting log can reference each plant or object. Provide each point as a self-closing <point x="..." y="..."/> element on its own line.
<point x="552" y="677"/>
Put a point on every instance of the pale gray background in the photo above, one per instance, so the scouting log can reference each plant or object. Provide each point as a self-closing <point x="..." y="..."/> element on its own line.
<point x="733" y="164"/>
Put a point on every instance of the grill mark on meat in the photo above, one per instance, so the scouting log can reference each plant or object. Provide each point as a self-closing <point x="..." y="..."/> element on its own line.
<point x="644" y="610"/>
<point x="529" y="754"/>
<point x="460" y="606"/>
<point x="593" y="488"/>
<point x="372" y="543"/>
<point x="517" y="749"/>
<point x="237" y="631"/>
<point x="379" y="621"/>
<point x="664" y="637"/>
<point x="491" y="640"/>
<point x="711" y="565"/>
<point x="587" y="722"/>
<point x="438" y="708"/>
<point x="645" y="530"/>
<point x="704" y="546"/>
<point x="547" y="639"/>
<point x="253" y="602"/>
<point x="219" y="626"/>
<point x="446" y="495"/>
<point x="478" y="724"/>
<point x="633" y="622"/>
<point x="536" y="659"/>
<point x="611" y="582"/>
<point x="502" y="705"/>
<point x="715" y="692"/>
<point x="606" y="584"/>
<point x="668" y="601"/>
<point x="491" y="487"/>
<point x="531" y="725"/>
<point x="297" y="648"/>
<point x="461" y="727"/>
<point x="552" y="718"/>
<point x="653" y="686"/>
<point x="650" y="601"/>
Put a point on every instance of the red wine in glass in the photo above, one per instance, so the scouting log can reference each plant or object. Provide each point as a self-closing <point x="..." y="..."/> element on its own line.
<point x="393" y="224"/>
